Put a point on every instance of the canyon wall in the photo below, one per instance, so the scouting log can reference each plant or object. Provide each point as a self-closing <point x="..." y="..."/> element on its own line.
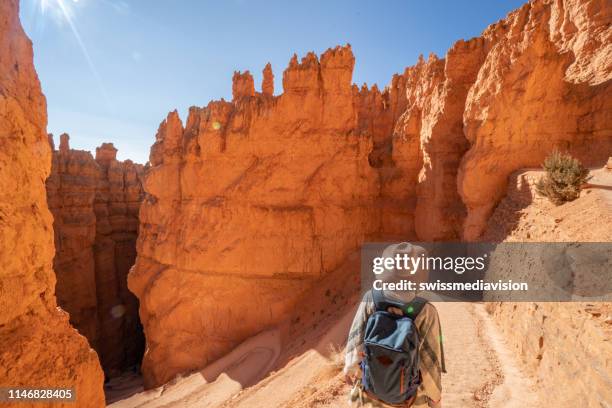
<point x="117" y="202"/>
<point x="251" y="202"/>
<point x="71" y="189"/>
<point x="38" y="347"/>
<point x="95" y="205"/>
<point x="545" y="83"/>
<point x="248" y="204"/>
<point x="536" y="80"/>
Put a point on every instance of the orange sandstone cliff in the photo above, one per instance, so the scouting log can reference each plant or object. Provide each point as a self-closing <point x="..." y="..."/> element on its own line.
<point x="116" y="206"/>
<point x="95" y="205"/>
<point x="545" y="83"/>
<point x="249" y="202"/>
<point x="38" y="347"/>
<point x="71" y="188"/>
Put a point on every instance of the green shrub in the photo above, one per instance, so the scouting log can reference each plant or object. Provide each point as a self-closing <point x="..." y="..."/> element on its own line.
<point x="563" y="179"/>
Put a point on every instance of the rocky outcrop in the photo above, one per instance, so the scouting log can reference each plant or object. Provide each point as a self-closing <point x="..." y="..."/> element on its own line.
<point x="242" y="85"/>
<point x="116" y="206"/>
<point x="534" y="81"/>
<point x="267" y="83"/>
<point x="38" y="346"/>
<point x="437" y="91"/>
<point x="544" y="83"/>
<point x="71" y="189"/>
<point x="247" y="205"/>
<point x="260" y="197"/>
<point x="95" y="205"/>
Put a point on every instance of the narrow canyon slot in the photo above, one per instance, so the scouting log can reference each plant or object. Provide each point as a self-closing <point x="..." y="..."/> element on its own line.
<point x="95" y="203"/>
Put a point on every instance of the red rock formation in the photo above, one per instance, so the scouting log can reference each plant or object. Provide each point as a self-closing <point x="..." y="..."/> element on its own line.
<point x="530" y="82"/>
<point x="545" y="83"/>
<point x="64" y="143"/>
<point x="436" y="93"/>
<point x="117" y="201"/>
<point x="267" y="84"/>
<point x="248" y="205"/>
<point x="532" y="329"/>
<point x="71" y="189"/>
<point x="38" y="347"/>
<point x="395" y="156"/>
<point x="242" y="85"/>
<point x="259" y="197"/>
<point x="95" y="207"/>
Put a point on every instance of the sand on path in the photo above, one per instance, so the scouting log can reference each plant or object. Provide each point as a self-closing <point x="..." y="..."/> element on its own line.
<point x="481" y="371"/>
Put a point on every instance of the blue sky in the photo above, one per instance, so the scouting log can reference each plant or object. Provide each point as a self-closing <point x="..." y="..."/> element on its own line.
<point x="116" y="68"/>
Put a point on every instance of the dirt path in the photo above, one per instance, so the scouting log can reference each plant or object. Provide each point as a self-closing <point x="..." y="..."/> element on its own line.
<point x="481" y="372"/>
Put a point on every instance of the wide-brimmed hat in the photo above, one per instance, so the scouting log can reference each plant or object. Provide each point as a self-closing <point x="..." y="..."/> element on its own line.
<point x="403" y="248"/>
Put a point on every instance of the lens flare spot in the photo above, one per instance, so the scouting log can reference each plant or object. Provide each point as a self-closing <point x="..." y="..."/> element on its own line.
<point x="216" y="125"/>
<point x="118" y="311"/>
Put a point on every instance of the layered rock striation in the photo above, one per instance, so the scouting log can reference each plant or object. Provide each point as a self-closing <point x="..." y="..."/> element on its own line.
<point x="248" y="204"/>
<point x="71" y="189"/>
<point x="116" y="206"/>
<point x="251" y="202"/>
<point x="544" y="83"/>
<point x="95" y="205"/>
<point x="38" y="347"/>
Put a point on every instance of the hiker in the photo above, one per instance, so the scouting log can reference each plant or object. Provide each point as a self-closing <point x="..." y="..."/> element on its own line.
<point x="416" y="387"/>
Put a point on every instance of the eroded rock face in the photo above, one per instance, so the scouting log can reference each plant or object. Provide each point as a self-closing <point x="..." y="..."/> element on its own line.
<point x="247" y="205"/>
<point x="95" y="205"/>
<point x="71" y="189"/>
<point x="38" y="347"/>
<point x="545" y="83"/>
<point x="267" y="84"/>
<point x="535" y="81"/>
<point x="116" y="205"/>
<point x="243" y="85"/>
<point x="251" y="201"/>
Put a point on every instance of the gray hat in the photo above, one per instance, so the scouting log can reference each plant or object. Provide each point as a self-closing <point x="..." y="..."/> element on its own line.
<point x="403" y="248"/>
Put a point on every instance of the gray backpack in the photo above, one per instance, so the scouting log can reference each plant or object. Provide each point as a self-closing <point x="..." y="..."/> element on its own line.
<point x="390" y="366"/>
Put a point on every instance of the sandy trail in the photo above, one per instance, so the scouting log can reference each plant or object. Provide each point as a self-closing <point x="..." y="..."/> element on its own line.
<point x="481" y="371"/>
<point x="211" y="387"/>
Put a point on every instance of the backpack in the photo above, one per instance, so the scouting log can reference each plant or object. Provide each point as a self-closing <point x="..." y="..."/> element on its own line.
<point x="390" y="367"/>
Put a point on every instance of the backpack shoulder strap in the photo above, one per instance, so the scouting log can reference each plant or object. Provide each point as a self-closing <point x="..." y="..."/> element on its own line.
<point x="415" y="306"/>
<point x="411" y="309"/>
<point x="382" y="303"/>
<point x="379" y="300"/>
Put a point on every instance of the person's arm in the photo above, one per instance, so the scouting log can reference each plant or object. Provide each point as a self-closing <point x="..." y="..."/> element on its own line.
<point x="354" y="344"/>
<point x="431" y="354"/>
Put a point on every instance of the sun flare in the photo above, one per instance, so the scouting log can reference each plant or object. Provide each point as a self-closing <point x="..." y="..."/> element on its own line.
<point x="59" y="10"/>
<point x="62" y="12"/>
